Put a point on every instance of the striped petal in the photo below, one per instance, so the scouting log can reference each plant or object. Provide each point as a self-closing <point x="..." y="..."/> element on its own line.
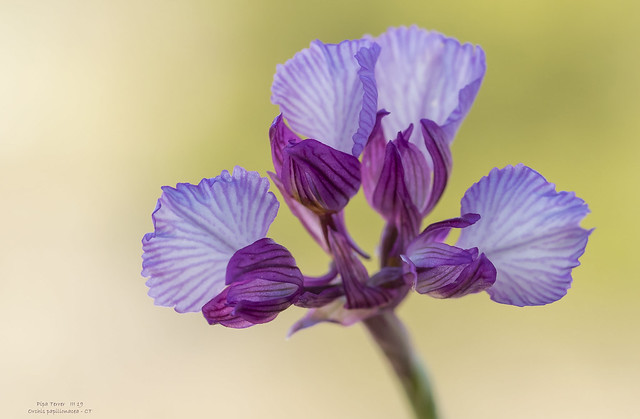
<point x="530" y="232"/>
<point x="197" y="230"/>
<point x="424" y="74"/>
<point x="319" y="177"/>
<point x="327" y="92"/>
<point x="264" y="280"/>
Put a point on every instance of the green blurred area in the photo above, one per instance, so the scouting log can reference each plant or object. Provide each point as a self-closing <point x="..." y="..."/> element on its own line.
<point x="103" y="102"/>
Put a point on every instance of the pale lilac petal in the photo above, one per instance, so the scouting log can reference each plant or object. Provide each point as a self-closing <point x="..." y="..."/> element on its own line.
<point x="197" y="230"/>
<point x="327" y="94"/>
<point x="422" y="74"/>
<point x="530" y="232"/>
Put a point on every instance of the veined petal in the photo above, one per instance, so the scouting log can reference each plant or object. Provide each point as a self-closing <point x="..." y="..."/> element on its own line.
<point x="444" y="271"/>
<point x="264" y="280"/>
<point x="308" y="218"/>
<point x="354" y="275"/>
<point x="373" y="157"/>
<point x="424" y="74"/>
<point x="437" y="254"/>
<point x="529" y="231"/>
<point x="367" y="58"/>
<point x="328" y="92"/>
<point x="452" y="281"/>
<point x="392" y="200"/>
<point x="439" y="231"/>
<point x="319" y="177"/>
<point x="440" y="154"/>
<point x="197" y="230"/>
<point x="280" y="136"/>
<point x="319" y="296"/>
<point x="417" y="173"/>
<point x="218" y="311"/>
<point x="265" y="260"/>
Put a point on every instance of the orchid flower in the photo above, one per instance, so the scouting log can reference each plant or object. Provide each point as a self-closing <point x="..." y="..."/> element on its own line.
<point x="381" y="113"/>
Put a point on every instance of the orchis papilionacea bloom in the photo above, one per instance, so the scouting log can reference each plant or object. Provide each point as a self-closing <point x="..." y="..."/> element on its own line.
<point x="380" y="113"/>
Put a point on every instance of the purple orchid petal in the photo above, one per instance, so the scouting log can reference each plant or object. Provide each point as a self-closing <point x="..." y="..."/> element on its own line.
<point x="218" y="311"/>
<point x="367" y="58"/>
<point x="429" y="76"/>
<point x="265" y="260"/>
<point x="444" y="271"/>
<point x="334" y="312"/>
<point x="339" y="224"/>
<point x="318" y="297"/>
<point x="440" y="154"/>
<point x="390" y="195"/>
<point x="392" y="200"/>
<point x="373" y="158"/>
<point x="439" y="231"/>
<point x="530" y="232"/>
<point x="280" y="136"/>
<point x="354" y="275"/>
<point x="321" y="178"/>
<point x="308" y="218"/>
<point x="328" y="92"/>
<point x="436" y="254"/>
<point x="264" y="280"/>
<point x="417" y="172"/>
<point x="392" y="280"/>
<point x="260" y="301"/>
<point x="197" y="230"/>
<point x="323" y="280"/>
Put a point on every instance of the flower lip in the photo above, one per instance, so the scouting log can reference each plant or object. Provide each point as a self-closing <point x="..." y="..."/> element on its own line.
<point x="530" y="232"/>
<point x="197" y="228"/>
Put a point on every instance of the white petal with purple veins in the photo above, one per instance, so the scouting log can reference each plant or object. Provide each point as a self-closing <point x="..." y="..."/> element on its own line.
<point x="422" y="74"/>
<point x="197" y="230"/>
<point x="322" y="95"/>
<point x="530" y="232"/>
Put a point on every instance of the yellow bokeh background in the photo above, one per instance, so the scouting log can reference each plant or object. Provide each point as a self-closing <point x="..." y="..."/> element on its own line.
<point x="103" y="102"/>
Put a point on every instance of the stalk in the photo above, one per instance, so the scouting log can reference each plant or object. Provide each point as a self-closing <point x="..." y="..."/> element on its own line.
<point x="393" y="339"/>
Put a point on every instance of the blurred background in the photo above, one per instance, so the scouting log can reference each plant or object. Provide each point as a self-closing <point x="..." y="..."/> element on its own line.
<point x="104" y="102"/>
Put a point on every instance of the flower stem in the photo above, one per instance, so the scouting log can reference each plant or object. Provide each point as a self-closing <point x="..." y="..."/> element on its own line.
<point x="393" y="339"/>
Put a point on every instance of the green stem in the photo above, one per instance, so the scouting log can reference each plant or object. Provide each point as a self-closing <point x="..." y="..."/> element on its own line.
<point x="392" y="338"/>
